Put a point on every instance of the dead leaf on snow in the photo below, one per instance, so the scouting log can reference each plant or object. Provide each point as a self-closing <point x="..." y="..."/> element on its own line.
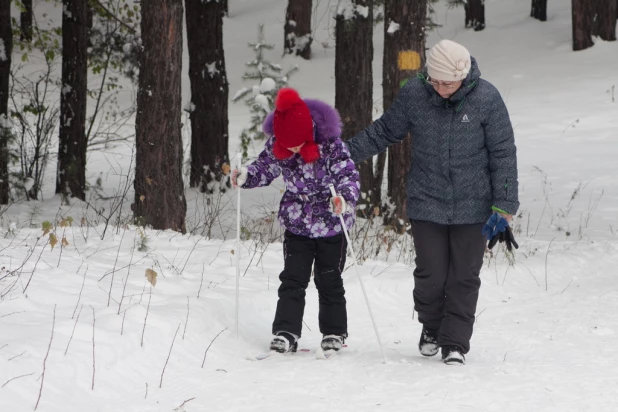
<point x="151" y="275"/>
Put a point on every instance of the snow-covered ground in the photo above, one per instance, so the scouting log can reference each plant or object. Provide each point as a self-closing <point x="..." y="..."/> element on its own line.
<point x="82" y="328"/>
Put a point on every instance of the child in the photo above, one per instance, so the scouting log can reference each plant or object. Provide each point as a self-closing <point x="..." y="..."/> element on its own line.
<point x="305" y="146"/>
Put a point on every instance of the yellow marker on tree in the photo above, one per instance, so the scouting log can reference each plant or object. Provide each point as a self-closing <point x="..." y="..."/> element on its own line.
<point x="408" y="60"/>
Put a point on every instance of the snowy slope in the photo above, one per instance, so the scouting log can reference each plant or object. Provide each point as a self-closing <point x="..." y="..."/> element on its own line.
<point x="546" y="327"/>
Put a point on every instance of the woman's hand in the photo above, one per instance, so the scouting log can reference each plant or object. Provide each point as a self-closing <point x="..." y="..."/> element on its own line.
<point x="509" y="218"/>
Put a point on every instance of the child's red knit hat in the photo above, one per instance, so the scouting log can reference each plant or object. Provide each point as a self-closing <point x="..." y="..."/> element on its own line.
<point x="293" y="126"/>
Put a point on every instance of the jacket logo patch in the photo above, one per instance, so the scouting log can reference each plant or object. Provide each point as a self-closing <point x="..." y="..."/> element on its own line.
<point x="465" y="119"/>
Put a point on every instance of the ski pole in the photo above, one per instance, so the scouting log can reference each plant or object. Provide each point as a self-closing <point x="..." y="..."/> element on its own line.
<point x="360" y="279"/>
<point x="237" y="247"/>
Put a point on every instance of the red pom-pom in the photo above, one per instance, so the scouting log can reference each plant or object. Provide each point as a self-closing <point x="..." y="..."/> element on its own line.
<point x="281" y="152"/>
<point x="286" y="98"/>
<point x="310" y="152"/>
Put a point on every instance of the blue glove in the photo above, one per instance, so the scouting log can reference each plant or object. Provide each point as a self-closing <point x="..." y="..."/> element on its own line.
<point x="496" y="223"/>
<point x="497" y="229"/>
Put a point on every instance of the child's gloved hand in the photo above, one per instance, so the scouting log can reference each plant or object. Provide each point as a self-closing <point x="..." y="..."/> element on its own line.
<point x="338" y="205"/>
<point x="496" y="230"/>
<point x="239" y="176"/>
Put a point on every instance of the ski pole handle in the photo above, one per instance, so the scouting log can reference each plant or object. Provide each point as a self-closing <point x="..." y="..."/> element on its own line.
<point x="332" y="190"/>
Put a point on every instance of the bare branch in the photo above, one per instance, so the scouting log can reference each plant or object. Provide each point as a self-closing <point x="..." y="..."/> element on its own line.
<point x="80" y="294"/>
<point x="168" y="356"/>
<point x="546" y="254"/>
<point x="112" y="15"/>
<point x="17" y="377"/>
<point x="183" y="404"/>
<point x="186" y="321"/>
<point x="12" y="313"/>
<point x="126" y="280"/>
<point x="71" y="338"/>
<point x="147" y="310"/>
<point x="93" y="367"/>
<point x="45" y="360"/>
<point x="16" y="356"/>
<point x="34" y="269"/>
<point x="201" y="281"/>
<point x="211" y="342"/>
<point x="111" y="284"/>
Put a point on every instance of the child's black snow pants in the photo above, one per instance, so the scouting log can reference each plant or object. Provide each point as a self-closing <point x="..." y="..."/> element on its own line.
<point x="327" y="255"/>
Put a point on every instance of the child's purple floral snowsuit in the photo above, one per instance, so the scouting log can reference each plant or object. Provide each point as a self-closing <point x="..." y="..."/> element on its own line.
<point x="305" y="206"/>
<point x="313" y="238"/>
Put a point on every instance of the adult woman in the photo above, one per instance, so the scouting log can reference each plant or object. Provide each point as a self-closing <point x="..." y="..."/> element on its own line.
<point x="464" y="168"/>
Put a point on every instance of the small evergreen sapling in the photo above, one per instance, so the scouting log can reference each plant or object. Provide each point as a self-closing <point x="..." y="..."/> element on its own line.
<point x="269" y="78"/>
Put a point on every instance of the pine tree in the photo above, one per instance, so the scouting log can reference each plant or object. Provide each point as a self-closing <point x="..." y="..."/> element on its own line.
<point x="297" y="36"/>
<point x="260" y="98"/>
<point x="582" y="22"/>
<point x="353" y="91"/>
<point x="209" y="95"/>
<point x="539" y="10"/>
<point x="159" y="191"/>
<point x="71" y="177"/>
<point x="6" y="49"/>
<point x="604" y="24"/>
<point x="404" y="57"/>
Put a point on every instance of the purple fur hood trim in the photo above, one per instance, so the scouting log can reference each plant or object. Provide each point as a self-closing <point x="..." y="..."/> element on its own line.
<point x="326" y="118"/>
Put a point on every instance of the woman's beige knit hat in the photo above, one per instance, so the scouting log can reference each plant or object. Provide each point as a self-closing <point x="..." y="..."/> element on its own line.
<point x="448" y="61"/>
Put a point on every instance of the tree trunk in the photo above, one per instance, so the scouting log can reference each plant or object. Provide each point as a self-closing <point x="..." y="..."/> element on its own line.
<point x="6" y="38"/>
<point x="475" y="14"/>
<point x="404" y="57"/>
<point x="90" y="21"/>
<point x="25" y="20"/>
<point x="353" y="91"/>
<point x="582" y="12"/>
<point x="297" y="29"/>
<point x="159" y="192"/>
<point x="209" y="93"/>
<point x="605" y="19"/>
<point x="71" y="178"/>
<point x="539" y="10"/>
